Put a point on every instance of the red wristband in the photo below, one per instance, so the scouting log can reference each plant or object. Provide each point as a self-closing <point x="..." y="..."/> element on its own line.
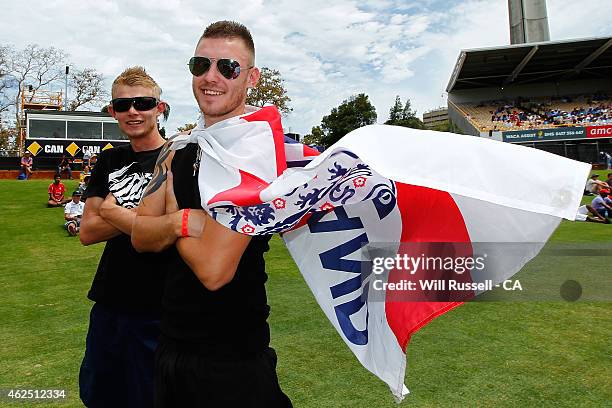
<point x="185" y="223"/>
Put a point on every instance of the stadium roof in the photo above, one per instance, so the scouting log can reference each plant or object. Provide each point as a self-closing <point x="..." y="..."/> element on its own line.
<point x="548" y="61"/>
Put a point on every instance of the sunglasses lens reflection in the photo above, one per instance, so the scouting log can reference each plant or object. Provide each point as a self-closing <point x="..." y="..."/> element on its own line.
<point x="230" y="69"/>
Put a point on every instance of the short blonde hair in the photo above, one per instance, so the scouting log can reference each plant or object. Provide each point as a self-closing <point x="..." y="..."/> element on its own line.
<point x="136" y="76"/>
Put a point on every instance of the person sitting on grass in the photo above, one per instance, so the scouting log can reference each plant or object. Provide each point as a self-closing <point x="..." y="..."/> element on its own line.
<point x="588" y="214"/>
<point x="56" y="193"/>
<point x="26" y="165"/>
<point x="73" y="213"/>
<point x="609" y="180"/>
<point x="594" y="184"/>
<point x="600" y="205"/>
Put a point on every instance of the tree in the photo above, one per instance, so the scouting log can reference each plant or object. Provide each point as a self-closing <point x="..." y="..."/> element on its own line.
<point x="36" y="67"/>
<point x="8" y="139"/>
<point x="88" y="88"/>
<point x="353" y="113"/>
<point x="403" y="115"/>
<point x="5" y="79"/>
<point x="395" y="113"/>
<point x="270" y="89"/>
<point x="315" y="136"/>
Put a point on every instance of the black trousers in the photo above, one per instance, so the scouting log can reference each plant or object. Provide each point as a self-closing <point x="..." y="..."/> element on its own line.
<point x="187" y="378"/>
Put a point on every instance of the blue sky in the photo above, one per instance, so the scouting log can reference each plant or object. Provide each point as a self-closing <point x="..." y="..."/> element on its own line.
<point x="325" y="50"/>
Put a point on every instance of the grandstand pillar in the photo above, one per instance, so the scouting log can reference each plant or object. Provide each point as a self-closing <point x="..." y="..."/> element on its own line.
<point x="528" y="21"/>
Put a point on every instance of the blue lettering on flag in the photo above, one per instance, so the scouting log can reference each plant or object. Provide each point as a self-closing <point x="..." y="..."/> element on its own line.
<point x="332" y="259"/>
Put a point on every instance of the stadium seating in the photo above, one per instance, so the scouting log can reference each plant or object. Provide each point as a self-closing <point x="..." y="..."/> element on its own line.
<point x="538" y="113"/>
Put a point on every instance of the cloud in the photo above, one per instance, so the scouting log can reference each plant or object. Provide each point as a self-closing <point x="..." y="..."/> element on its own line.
<point x="326" y="51"/>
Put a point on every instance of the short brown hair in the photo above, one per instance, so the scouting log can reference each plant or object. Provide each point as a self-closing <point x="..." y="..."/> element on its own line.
<point x="136" y="76"/>
<point x="230" y="29"/>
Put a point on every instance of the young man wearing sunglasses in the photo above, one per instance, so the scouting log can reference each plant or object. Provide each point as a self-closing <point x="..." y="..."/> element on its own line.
<point x="214" y="349"/>
<point x="117" y="369"/>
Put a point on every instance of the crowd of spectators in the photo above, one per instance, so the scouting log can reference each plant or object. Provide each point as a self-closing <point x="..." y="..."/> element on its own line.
<point x="599" y="114"/>
<point x="530" y="114"/>
<point x="509" y="115"/>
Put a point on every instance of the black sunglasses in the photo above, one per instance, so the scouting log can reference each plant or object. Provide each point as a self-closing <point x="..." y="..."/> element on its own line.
<point x="229" y="68"/>
<point x="140" y="103"/>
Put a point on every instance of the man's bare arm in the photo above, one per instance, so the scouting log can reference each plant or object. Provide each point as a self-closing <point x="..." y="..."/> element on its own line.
<point x="94" y="228"/>
<point x="215" y="255"/>
<point x="155" y="228"/>
<point x="119" y="217"/>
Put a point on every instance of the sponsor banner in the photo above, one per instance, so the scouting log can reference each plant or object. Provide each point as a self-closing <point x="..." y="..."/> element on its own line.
<point x="540" y="135"/>
<point x="599" y="131"/>
<point x="71" y="148"/>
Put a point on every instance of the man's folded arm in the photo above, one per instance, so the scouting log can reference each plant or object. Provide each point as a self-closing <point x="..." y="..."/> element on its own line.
<point x="153" y="229"/>
<point x="94" y="228"/>
<point x="214" y="256"/>
<point x="119" y="217"/>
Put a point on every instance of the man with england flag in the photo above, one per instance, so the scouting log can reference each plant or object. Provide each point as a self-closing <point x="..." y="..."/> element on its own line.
<point x="369" y="196"/>
<point x="214" y="349"/>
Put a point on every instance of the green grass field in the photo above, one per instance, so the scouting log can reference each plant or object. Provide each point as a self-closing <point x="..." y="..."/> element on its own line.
<point x="480" y="354"/>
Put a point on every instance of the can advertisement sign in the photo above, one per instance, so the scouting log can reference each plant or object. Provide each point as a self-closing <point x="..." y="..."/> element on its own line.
<point x="70" y="148"/>
<point x="539" y="135"/>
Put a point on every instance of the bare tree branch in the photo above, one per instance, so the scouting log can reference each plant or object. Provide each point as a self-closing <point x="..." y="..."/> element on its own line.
<point x="88" y="88"/>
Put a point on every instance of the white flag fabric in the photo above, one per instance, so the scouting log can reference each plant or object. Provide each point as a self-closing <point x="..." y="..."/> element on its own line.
<point x="383" y="185"/>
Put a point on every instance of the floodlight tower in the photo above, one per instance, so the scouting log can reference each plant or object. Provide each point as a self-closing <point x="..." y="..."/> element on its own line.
<point x="528" y="21"/>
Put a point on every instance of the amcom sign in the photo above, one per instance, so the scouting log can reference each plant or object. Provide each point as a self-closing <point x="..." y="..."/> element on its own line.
<point x="600" y="131"/>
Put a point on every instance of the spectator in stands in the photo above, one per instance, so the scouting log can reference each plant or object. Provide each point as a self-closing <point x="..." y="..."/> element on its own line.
<point x="86" y="172"/>
<point x="600" y="205"/>
<point x="593" y="185"/>
<point x="65" y="166"/>
<point x="26" y="165"/>
<point x="83" y="186"/>
<point x="73" y="213"/>
<point x="56" y="193"/>
<point x="86" y="157"/>
<point x="92" y="161"/>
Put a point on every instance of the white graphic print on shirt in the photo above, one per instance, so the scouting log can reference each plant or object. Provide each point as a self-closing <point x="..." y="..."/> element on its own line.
<point x="128" y="183"/>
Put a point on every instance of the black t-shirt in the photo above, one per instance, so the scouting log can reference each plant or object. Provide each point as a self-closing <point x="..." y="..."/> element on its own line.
<point x="231" y="319"/>
<point x="126" y="280"/>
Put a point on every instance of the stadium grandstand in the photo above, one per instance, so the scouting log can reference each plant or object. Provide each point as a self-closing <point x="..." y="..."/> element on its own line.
<point x="551" y="95"/>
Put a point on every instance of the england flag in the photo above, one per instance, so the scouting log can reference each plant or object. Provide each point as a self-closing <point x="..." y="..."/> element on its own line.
<point x="403" y="189"/>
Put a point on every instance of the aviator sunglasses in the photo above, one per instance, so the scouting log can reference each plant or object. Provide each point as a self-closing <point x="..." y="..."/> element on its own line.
<point x="140" y="103"/>
<point x="229" y="68"/>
